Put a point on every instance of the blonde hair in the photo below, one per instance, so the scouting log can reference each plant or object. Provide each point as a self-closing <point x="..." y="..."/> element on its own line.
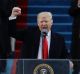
<point x="42" y="13"/>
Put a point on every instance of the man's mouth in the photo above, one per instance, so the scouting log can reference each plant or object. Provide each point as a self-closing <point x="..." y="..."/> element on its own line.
<point x="44" y="27"/>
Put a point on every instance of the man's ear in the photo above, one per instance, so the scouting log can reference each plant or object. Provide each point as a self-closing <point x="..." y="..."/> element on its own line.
<point x="38" y="24"/>
<point x="52" y="22"/>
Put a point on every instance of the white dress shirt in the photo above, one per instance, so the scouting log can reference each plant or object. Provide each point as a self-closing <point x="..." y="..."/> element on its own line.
<point x="12" y="17"/>
<point x="40" y="45"/>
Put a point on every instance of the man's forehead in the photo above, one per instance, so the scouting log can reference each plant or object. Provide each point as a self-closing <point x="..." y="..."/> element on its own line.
<point x="44" y="17"/>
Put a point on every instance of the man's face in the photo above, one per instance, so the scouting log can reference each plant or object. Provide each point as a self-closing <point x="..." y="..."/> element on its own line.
<point x="45" y="22"/>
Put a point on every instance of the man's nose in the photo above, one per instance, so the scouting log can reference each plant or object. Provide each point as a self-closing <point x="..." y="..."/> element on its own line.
<point x="43" y="24"/>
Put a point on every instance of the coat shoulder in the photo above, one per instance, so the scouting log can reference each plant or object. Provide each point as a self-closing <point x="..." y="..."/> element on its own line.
<point x="57" y="36"/>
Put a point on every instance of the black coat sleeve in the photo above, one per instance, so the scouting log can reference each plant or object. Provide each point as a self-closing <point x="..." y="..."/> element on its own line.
<point x="62" y="47"/>
<point x="64" y="54"/>
<point x="11" y="23"/>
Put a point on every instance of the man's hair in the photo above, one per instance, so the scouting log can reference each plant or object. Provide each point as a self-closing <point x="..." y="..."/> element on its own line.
<point x="42" y="13"/>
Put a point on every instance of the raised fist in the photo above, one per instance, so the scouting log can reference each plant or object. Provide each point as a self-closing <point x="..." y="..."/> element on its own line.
<point x="16" y="11"/>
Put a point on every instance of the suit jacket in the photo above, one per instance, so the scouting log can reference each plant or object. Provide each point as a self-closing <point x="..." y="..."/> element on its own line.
<point x="74" y="11"/>
<point x="31" y="40"/>
<point x="7" y="28"/>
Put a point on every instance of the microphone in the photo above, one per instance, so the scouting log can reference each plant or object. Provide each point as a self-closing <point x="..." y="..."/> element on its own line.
<point x="44" y="32"/>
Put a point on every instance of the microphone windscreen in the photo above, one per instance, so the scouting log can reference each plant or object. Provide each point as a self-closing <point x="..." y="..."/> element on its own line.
<point x="44" y="32"/>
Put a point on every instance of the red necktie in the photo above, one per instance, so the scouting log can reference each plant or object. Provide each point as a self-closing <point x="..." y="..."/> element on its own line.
<point x="44" y="48"/>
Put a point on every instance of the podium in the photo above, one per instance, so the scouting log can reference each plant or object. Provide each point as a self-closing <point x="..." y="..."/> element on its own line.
<point x="42" y="67"/>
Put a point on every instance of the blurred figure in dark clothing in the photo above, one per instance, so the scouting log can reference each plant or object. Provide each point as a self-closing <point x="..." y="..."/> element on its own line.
<point x="75" y="13"/>
<point x="8" y="14"/>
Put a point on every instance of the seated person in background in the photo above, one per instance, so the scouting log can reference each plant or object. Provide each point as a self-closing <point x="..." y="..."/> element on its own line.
<point x="40" y="42"/>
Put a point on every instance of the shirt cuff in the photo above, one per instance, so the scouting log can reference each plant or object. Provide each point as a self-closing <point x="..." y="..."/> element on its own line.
<point x="12" y="17"/>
